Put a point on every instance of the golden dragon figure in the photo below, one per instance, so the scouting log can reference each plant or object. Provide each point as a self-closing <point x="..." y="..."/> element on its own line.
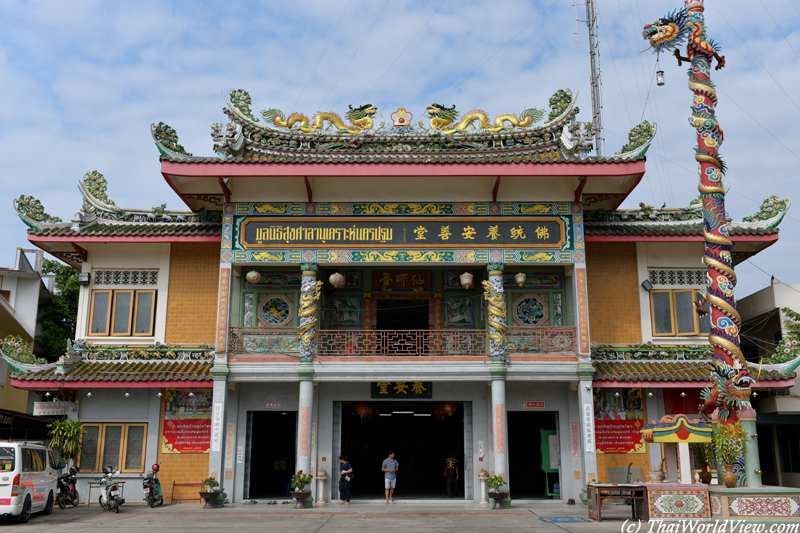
<point x="308" y="313"/>
<point x="360" y="119"/>
<point x="442" y="119"/>
<point x="497" y="314"/>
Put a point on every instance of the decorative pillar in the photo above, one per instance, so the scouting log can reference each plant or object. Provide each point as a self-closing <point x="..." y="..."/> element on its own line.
<point x="216" y="457"/>
<point x="496" y="317"/>
<point x="483" y="479"/>
<point x="306" y="375"/>
<point x="586" y="406"/>
<point x="498" y="372"/>
<point x="309" y="295"/>
<point x="752" y="463"/>
<point x="321" y="489"/>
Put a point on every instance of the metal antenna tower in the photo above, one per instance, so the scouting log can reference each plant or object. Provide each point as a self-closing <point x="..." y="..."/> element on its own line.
<point x="596" y="82"/>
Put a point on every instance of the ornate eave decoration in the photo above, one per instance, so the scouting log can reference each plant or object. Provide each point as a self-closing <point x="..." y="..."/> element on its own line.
<point x="651" y="352"/>
<point x="88" y="351"/>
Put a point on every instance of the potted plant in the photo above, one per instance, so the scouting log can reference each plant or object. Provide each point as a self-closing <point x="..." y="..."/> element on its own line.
<point x="703" y="453"/>
<point x="66" y="436"/>
<point x="299" y="482"/>
<point x="494" y="483"/>
<point x="210" y="495"/>
<point x="729" y="445"/>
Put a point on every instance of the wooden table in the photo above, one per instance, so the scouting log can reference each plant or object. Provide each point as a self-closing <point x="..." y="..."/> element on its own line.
<point x="636" y="493"/>
<point x="97" y="484"/>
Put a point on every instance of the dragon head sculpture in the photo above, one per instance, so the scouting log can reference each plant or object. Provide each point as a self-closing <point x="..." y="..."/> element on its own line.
<point x="669" y="32"/>
<point x="440" y="111"/>
<point x="729" y="391"/>
<point x="366" y="110"/>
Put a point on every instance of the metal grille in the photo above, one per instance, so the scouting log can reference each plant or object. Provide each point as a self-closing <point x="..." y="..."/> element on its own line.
<point x="125" y="277"/>
<point x="541" y="340"/>
<point x="678" y="277"/>
<point x="401" y="342"/>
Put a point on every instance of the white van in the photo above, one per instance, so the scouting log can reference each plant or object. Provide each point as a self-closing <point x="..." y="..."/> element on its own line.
<point x="28" y="478"/>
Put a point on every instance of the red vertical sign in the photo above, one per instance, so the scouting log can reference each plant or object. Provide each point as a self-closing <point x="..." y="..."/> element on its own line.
<point x="305" y="415"/>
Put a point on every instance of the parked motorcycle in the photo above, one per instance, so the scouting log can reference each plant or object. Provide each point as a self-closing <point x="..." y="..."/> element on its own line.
<point x="67" y="492"/>
<point x="110" y="499"/>
<point x="152" y="488"/>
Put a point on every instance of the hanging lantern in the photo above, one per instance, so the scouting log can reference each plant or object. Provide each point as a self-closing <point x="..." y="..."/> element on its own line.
<point x="466" y="279"/>
<point x="253" y="277"/>
<point x="363" y="410"/>
<point x="337" y="280"/>
<point x="520" y="278"/>
<point x="449" y="408"/>
<point x="659" y="78"/>
<point x="439" y="411"/>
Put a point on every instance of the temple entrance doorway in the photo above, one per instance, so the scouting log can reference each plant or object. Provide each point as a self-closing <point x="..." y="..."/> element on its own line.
<point x="421" y="441"/>
<point x="402" y="314"/>
<point x="271" y="438"/>
<point x="528" y="479"/>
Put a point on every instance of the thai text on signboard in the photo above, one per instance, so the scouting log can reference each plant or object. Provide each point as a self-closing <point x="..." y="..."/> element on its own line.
<point x="187" y="421"/>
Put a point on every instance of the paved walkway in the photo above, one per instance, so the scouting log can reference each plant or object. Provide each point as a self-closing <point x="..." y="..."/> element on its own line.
<point x="410" y="516"/>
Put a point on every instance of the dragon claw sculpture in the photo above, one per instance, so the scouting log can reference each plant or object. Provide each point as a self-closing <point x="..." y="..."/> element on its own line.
<point x="731" y="381"/>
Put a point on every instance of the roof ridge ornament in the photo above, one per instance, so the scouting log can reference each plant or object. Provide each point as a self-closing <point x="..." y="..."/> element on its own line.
<point x="769" y="215"/>
<point x="166" y="139"/>
<point x="32" y="213"/>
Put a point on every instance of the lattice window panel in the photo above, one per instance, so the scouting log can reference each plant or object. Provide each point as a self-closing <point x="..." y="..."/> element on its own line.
<point x="126" y="277"/>
<point x="678" y="277"/>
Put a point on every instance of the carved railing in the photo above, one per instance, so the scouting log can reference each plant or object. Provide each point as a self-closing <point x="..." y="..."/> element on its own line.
<point x="359" y="342"/>
<point x="263" y="340"/>
<point x="402" y="342"/>
<point x="535" y="340"/>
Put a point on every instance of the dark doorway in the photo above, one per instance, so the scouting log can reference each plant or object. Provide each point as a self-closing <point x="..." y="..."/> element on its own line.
<point x="401" y="314"/>
<point x="271" y="453"/>
<point x="525" y="453"/>
<point x="421" y="443"/>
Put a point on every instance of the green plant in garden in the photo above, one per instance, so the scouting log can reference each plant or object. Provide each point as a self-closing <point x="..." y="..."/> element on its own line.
<point x="66" y="436"/>
<point x="495" y="482"/>
<point x="703" y="452"/>
<point x="210" y="482"/>
<point x="300" y="480"/>
<point x="729" y="442"/>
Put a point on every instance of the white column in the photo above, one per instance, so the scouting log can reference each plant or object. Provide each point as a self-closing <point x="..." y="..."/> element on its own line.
<point x="684" y="464"/>
<point x="500" y="460"/>
<point x="586" y="404"/>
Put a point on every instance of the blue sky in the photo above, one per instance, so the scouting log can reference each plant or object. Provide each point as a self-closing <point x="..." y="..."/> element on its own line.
<point x="81" y="82"/>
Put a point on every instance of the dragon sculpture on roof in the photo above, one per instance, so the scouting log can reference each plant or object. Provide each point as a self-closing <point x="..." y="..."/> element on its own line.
<point x="442" y="117"/>
<point x="360" y="119"/>
<point x="731" y="381"/>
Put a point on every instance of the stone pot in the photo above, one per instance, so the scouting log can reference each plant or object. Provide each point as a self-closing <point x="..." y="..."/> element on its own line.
<point x="300" y="498"/>
<point x="705" y="473"/>
<point x="498" y="498"/>
<point x="208" y="496"/>
<point x="729" y="478"/>
<point x="584" y="496"/>
<point x="655" y="476"/>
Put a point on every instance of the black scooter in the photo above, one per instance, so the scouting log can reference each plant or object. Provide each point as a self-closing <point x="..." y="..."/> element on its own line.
<point x="67" y="492"/>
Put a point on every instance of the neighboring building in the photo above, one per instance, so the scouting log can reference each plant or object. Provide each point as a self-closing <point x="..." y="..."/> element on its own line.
<point x="202" y="344"/>
<point x="768" y="343"/>
<point x="23" y="291"/>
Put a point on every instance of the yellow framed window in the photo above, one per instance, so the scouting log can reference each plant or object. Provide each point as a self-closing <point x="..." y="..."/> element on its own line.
<point x="672" y="313"/>
<point x="100" y="313"/>
<point x="120" y="446"/>
<point x="145" y="313"/>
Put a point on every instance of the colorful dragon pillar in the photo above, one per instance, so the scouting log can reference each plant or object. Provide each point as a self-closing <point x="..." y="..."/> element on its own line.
<point x="309" y="295"/>
<point x="496" y="317"/>
<point x="730" y="388"/>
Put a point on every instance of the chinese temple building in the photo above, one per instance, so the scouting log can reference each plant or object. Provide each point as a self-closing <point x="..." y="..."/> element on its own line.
<point x="454" y="285"/>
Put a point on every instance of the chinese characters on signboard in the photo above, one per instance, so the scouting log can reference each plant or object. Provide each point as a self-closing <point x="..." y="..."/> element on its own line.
<point x="187" y="421"/>
<point x="402" y="389"/>
<point x="619" y="420"/>
<point x="402" y="280"/>
<point x="588" y="425"/>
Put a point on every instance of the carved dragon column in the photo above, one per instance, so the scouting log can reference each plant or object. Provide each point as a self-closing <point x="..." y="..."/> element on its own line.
<point x="730" y="390"/>
<point x="496" y="321"/>
<point x="307" y="331"/>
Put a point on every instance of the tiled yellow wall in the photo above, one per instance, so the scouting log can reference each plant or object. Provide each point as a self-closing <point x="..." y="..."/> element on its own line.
<point x="613" y="286"/>
<point x="193" y="288"/>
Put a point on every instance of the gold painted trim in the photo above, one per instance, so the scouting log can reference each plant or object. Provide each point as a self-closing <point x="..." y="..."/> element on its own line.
<point x="714" y="239"/>
<point x="727" y="308"/>
<point x="722" y="267"/>
<point x="728" y="346"/>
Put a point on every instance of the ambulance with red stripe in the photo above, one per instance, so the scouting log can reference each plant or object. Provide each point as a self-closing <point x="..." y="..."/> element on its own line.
<point x="28" y="478"/>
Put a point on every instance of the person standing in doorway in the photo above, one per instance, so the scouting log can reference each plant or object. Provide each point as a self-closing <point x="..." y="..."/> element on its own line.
<point x="451" y="474"/>
<point x="345" y="477"/>
<point x="389" y="469"/>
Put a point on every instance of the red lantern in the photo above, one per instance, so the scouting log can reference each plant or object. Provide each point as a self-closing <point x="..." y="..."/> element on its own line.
<point x="449" y="408"/>
<point x="439" y="411"/>
<point x="363" y="410"/>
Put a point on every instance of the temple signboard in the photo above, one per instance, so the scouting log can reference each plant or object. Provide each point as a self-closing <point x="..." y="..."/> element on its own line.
<point x="505" y="232"/>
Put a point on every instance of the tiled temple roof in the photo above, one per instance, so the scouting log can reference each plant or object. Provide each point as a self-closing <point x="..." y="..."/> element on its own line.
<point x="665" y="371"/>
<point x="124" y="372"/>
<point x="448" y="139"/>
<point x="106" y="228"/>
<point x="656" y="228"/>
